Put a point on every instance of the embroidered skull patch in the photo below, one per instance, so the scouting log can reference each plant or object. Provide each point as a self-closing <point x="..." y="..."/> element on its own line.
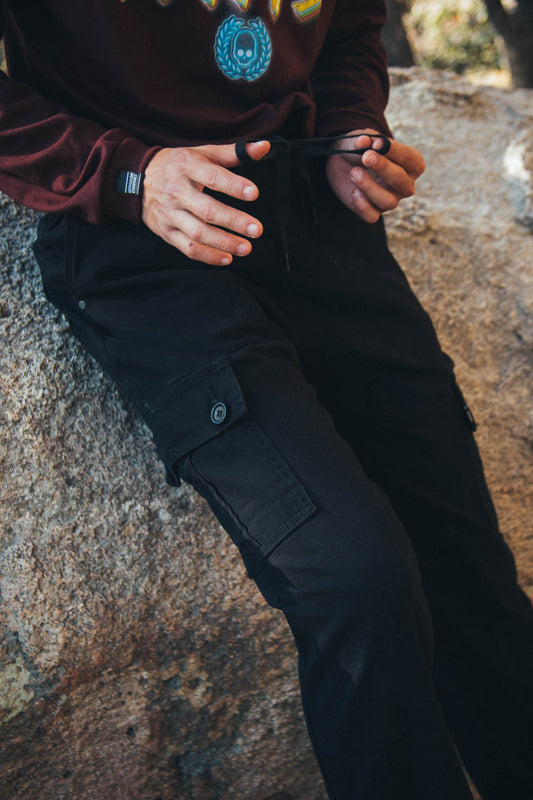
<point x="243" y="48"/>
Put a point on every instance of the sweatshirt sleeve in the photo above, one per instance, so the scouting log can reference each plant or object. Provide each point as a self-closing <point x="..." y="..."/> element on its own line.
<point x="51" y="160"/>
<point x="350" y="80"/>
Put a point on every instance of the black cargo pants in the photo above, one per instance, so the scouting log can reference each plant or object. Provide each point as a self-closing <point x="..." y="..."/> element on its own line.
<point x="315" y="411"/>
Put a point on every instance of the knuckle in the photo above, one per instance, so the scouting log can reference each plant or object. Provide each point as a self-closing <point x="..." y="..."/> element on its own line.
<point x="210" y="174"/>
<point x="196" y="232"/>
<point x="178" y="195"/>
<point x="205" y="211"/>
<point x="184" y="157"/>
<point x="236" y="222"/>
<point x="165" y="231"/>
<point x="228" y="244"/>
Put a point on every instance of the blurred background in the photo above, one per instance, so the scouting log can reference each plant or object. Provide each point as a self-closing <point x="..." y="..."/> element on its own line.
<point x="488" y="41"/>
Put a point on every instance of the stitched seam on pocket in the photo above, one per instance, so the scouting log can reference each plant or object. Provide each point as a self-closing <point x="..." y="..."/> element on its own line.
<point x="304" y="505"/>
<point x="296" y="495"/>
<point x="231" y="511"/>
<point x="303" y="512"/>
<point x="194" y="379"/>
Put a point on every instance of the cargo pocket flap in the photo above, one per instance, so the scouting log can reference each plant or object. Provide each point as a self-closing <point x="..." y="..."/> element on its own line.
<point x="195" y="409"/>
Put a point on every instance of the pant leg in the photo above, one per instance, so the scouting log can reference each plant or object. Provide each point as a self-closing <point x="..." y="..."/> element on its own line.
<point x="372" y="353"/>
<point x="221" y="387"/>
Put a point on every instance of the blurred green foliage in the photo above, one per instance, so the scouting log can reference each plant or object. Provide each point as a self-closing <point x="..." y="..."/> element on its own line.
<point x="453" y="34"/>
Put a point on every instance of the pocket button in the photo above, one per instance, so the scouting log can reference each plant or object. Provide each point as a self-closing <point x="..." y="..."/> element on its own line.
<point x="219" y="413"/>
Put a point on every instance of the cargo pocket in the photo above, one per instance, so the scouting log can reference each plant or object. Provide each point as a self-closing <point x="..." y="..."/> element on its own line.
<point x="469" y="427"/>
<point x="426" y="450"/>
<point x="205" y="435"/>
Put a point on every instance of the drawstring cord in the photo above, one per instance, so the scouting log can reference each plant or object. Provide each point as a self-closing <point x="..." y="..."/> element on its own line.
<point x="286" y="151"/>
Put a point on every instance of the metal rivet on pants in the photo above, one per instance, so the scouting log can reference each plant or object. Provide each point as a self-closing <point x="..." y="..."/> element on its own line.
<point x="82" y="304"/>
<point x="219" y="413"/>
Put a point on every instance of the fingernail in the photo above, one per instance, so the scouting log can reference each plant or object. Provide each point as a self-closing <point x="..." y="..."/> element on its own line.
<point x="252" y="230"/>
<point x="370" y="159"/>
<point x="356" y="174"/>
<point x="225" y="261"/>
<point x="249" y="193"/>
<point x="243" y="249"/>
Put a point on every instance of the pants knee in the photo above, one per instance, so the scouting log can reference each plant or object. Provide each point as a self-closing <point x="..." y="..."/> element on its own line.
<point x="362" y="576"/>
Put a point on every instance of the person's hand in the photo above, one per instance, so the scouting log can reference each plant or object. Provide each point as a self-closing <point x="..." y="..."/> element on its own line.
<point x="176" y="208"/>
<point x="371" y="183"/>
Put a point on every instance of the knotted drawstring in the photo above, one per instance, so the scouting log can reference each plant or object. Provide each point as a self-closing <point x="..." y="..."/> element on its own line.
<point x="285" y="151"/>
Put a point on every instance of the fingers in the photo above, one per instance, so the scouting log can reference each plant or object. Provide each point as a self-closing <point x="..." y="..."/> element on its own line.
<point x="227" y="157"/>
<point x="202" y="242"/>
<point x="210" y="223"/>
<point x="207" y="173"/>
<point x="379" y="196"/>
<point x="363" y="143"/>
<point x="404" y="156"/>
<point x="354" y="146"/>
<point x="249" y="152"/>
<point x="363" y="207"/>
<point x="205" y="220"/>
<point x="214" y="212"/>
<point x="205" y="239"/>
<point x="382" y="181"/>
<point x="377" y="179"/>
<point x="176" y="208"/>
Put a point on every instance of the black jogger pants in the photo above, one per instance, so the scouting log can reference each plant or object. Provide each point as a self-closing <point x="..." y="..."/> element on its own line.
<point x="315" y="411"/>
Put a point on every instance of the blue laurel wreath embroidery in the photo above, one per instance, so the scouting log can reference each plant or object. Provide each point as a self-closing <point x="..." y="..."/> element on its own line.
<point x="243" y="48"/>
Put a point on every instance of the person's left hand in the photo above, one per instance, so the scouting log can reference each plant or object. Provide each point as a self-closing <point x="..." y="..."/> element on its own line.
<point x="372" y="183"/>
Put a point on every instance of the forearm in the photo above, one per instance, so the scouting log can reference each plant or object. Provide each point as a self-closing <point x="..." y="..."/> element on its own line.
<point x="52" y="160"/>
<point x="350" y="80"/>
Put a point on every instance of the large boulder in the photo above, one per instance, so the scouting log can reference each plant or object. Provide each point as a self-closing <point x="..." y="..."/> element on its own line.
<point x="466" y="242"/>
<point x="137" y="661"/>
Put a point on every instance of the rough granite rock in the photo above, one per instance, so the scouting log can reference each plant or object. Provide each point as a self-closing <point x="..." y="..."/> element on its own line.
<point x="137" y="661"/>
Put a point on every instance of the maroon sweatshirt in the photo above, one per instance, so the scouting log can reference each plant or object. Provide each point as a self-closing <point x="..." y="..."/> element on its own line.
<point x="96" y="87"/>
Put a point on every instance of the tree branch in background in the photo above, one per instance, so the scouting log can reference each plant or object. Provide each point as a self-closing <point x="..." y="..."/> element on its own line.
<point x="394" y="37"/>
<point x="515" y="26"/>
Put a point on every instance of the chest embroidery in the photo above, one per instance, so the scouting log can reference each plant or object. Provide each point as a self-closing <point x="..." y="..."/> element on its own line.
<point x="243" y="48"/>
<point x="304" y="10"/>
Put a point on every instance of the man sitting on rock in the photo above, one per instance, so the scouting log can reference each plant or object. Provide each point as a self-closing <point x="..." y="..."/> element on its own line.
<point x="214" y="174"/>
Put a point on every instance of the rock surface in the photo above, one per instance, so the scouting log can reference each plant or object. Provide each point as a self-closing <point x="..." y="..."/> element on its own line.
<point x="137" y="662"/>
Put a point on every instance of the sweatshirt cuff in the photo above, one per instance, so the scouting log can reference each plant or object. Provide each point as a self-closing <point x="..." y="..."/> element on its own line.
<point x="130" y="156"/>
<point x="341" y="122"/>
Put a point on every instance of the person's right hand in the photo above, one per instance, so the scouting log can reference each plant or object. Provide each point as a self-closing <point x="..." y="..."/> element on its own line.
<point x="176" y="208"/>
